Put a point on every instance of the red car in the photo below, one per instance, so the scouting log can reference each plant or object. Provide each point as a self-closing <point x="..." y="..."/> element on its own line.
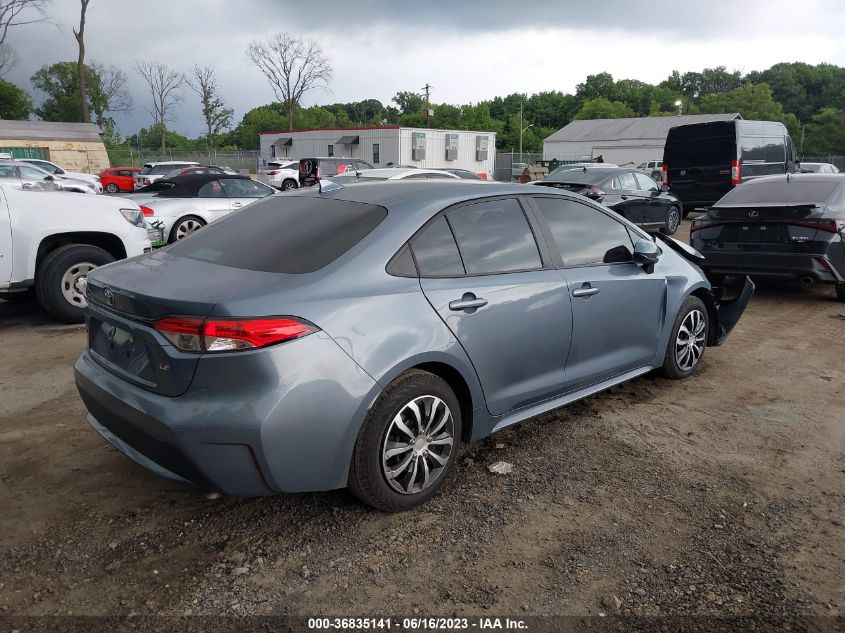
<point x="115" y="179"/>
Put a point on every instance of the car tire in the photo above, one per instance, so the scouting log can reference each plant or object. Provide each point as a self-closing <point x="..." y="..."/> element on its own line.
<point x="840" y="291"/>
<point x="289" y="184"/>
<point x="682" y="356"/>
<point x="112" y="188"/>
<point x="184" y="227"/>
<point x="56" y="277"/>
<point x="392" y="442"/>
<point x="673" y="221"/>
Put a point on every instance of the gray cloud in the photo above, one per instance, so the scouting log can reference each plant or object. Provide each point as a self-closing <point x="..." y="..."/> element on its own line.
<point x="469" y="51"/>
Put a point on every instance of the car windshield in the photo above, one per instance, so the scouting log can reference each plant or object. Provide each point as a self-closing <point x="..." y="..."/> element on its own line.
<point x="781" y="191"/>
<point x="283" y="234"/>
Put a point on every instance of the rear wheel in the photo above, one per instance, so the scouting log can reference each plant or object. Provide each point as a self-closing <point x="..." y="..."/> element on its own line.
<point x="408" y="443"/>
<point x="289" y="184"/>
<point x="112" y="188"/>
<point x="673" y="221"/>
<point x="687" y="341"/>
<point x="57" y="281"/>
<point x="840" y="292"/>
<point x="185" y="226"/>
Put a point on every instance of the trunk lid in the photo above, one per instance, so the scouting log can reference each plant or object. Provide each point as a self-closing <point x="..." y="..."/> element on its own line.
<point x="126" y="298"/>
<point x="769" y="227"/>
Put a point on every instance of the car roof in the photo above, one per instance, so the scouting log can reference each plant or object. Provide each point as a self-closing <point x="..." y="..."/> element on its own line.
<point x="811" y="177"/>
<point x="391" y="172"/>
<point x="172" y="162"/>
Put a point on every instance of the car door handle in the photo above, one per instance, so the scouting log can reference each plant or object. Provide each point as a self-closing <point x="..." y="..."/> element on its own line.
<point x="624" y="197"/>
<point x="585" y="291"/>
<point x="468" y="302"/>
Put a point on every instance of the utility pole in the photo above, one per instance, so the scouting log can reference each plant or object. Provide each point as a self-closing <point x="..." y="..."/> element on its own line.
<point x="427" y="89"/>
<point x="522" y="131"/>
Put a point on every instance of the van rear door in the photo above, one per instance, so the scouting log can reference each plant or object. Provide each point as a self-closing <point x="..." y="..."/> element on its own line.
<point x="698" y="167"/>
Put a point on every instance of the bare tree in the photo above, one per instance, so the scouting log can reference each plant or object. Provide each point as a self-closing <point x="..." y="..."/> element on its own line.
<point x="165" y="88"/>
<point x="80" y="62"/>
<point x="292" y="66"/>
<point x="217" y="116"/>
<point x="17" y="13"/>
<point x="112" y="96"/>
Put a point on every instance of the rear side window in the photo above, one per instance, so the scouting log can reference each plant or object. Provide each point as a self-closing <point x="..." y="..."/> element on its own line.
<point x="645" y="183"/>
<point x="435" y="250"/>
<point x="585" y="235"/>
<point x="283" y="234"/>
<point x="244" y="188"/>
<point x="494" y="237"/>
<point x="625" y="181"/>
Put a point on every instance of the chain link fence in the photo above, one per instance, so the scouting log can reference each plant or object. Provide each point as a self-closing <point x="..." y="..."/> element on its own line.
<point x="243" y="160"/>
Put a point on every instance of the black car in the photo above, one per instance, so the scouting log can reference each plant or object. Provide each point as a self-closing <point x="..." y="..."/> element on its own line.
<point x="790" y="226"/>
<point x="703" y="161"/>
<point x="312" y="169"/>
<point x="628" y="192"/>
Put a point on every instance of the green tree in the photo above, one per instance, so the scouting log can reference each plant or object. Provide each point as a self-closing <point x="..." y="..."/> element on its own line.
<point x="825" y="134"/>
<point x="408" y="102"/>
<point x="60" y="83"/>
<point x="216" y="115"/>
<point x="266" y="118"/>
<point x="752" y="101"/>
<point x="601" y="108"/>
<point x="14" y="102"/>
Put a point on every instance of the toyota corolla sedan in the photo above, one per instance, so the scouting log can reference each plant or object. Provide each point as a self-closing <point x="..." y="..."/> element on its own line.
<point x="356" y="336"/>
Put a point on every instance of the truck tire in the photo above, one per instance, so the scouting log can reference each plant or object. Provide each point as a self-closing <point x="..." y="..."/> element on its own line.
<point x="56" y="277"/>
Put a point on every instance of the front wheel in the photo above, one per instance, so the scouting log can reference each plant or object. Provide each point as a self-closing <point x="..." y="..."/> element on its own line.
<point x="687" y="341"/>
<point x="184" y="227"/>
<point x="112" y="188"/>
<point x="673" y="221"/>
<point x="408" y="443"/>
<point x="57" y="281"/>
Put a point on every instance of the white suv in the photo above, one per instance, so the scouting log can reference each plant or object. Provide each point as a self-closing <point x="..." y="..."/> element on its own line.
<point x="151" y="172"/>
<point x="282" y="175"/>
<point x="653" y="168"/>
<point x="50" y="242"/>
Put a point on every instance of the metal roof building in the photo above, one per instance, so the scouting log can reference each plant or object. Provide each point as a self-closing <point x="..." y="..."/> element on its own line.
<point x="74" y="146"/>
<point x="620" y="141"/>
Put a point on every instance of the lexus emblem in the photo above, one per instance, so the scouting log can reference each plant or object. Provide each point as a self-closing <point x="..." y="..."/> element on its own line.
<point x="109" y="296"/>
<point x="683" y="172"/>
<point x="753" y="214"/>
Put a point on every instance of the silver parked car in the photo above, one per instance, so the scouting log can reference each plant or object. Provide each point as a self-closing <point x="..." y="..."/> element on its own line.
<point x="56" y="170"/>
<point x="355" y="336"/>
<point x="22" y="175"/>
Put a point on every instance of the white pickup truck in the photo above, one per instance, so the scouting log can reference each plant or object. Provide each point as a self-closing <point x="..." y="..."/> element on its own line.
<point x="50" y="241"/>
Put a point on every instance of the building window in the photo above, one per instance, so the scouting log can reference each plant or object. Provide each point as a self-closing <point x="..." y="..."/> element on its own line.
<point x="376" y="153"/>
<point x="331" y="150"/>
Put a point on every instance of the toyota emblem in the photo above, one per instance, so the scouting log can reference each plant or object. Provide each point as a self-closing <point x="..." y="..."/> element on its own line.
<point x="753" y="214"/>
<point x="109" y="296"/>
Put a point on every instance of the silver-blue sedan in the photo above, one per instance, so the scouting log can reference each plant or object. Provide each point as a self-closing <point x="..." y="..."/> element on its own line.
<point x="355" y="336"/>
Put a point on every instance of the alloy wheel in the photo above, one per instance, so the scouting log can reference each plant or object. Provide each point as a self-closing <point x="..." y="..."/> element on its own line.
<point x="673" y="220"/>
<point x="72" y="289"/>
<point x="111" y="188"/>
<point x="689" y="343"/>
<point x="186" y="227"/>
<point x="417" y="445"/>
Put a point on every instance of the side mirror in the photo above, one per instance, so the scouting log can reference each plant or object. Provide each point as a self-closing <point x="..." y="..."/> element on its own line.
<point x="49" y="177"/>
<point x="646" y="253"/>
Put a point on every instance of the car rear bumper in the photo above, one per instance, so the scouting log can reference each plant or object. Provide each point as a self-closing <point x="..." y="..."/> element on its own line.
<point x="241" y="428"/>
<point x="818" y="266"/>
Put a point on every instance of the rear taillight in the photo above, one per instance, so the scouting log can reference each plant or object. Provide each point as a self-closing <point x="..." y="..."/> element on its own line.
<point x="147" y="210"/>
<point x="831" y="226"/>
<point x="665" y="174"/>
<point x="199" y="335"/>
<point x="592" y="192"/>
<point x="272" y="173"/>
<point x="736" y="174"/>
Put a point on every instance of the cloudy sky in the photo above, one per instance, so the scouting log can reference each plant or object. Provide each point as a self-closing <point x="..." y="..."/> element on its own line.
<point x="467" y="50"/>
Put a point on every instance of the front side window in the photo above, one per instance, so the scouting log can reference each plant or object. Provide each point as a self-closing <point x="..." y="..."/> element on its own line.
<point x="244" y="188"/>
<point x="494" y="237"/>
<point x="49" y="167"/>
<point x="645" y="183"/>
<point x="435" y="250"/>
<point x="585" y="235"/>
<point x="31" y="173"/>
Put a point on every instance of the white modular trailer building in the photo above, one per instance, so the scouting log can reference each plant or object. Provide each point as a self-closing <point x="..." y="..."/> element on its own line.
<point x="387" y="146"/>
<point x="620" y="141"/>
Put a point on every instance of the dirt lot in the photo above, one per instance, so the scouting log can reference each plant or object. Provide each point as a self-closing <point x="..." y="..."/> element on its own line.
<point x="720" y="495"/>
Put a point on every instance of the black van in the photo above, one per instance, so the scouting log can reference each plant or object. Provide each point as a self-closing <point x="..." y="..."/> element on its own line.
<point x="312" y="169"/>
<point x="703" y="161"/>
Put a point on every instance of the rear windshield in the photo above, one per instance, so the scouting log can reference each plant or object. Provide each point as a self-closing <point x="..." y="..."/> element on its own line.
<point x="700" y="152"/>
<point x="283" y="235"/>
<point x="160" y="170"/>
<point x="580" y="176"/>
<point x="780" y="191"/>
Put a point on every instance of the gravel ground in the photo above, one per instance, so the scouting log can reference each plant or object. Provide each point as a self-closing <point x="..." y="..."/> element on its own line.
<point x="721" y="495"/>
